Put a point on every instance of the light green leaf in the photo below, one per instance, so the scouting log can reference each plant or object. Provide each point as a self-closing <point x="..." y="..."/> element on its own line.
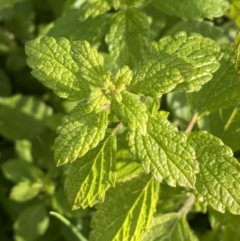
<point x="193" y="9"/>
<point x="32" y="223"/>
<point x="165" y="152"/>
<point x="90" y="64"/>
<point x="128" y="35"/>
<point x="221" y="92"/>
<point x="93" y="8"/>
<point x="97" y="100"/>
<point x="236" y="48"/>
<point x="122" y="78"/>
<point x="202" y="53"/>
<point x="24" y="191"/>
<point x="131" y="111"/>
<point x="89" y="177"/>
<point x="234" y="11"/>
<point x="170" y="227"/>
<point x="23" y="149"/>
<point x="79" y="132"/>
<point x="22" y="116"/>
<point x="68" y="26"/>
<point x="225" y="124"/>
<point x="127" y="211"/>
<point x="218" y="182"/>
<point x="20" y="171"/>
<point x="156" y="75"/>
<point x="52" y="63"/>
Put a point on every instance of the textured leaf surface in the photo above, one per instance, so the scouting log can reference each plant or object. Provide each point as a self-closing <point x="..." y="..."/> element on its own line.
<point x="164" y="152"/>
<point x="132" y="112"/>
<point x="219" y="93"/>
<point x="202" y="53"/>
<point x="69" y="27"/>
<point x="93" y="8"/>
<point x="225" y="124"/>
<point x="53" y="64"/>
<point x="193" y="9"/>
<point x="218" y="182"/>
<point x="127" y="36"/>
<point x="90" y="63"/>
<point x="236" y="48"/>
<point x="169" y="227"/>
<point x="127" y="211"/>
<point x="89" y="177"/>
<point x="22" y="116"/>
<point x="31" y="223"/>
<point x="79" y="132"/>
<point x="156" y="75"/>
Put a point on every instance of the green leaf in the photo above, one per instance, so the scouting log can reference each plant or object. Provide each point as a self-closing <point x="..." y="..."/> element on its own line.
<point x="228" y="219"/>
<point x="24" y="191"/>
<point x="52" y="63"/>
<point x="23" y="149"/>
<point x="127" y="36"/>
<point x="20" y="171"/>
<point x="193" y="9"/>
<point x="8" y="3"/>
<point x="218" y="182"/>
<point x="219" y="93"/>
<point x="236" y="48"/>
<point x="90" y="64"/>
<point x="32" y="223"/>
<point x="165" y="152"/>
<point x="79" y="132"/>
<point x="234" y="11"/>
<point x="90" y="176"/>
<point x="69" y="27"/>
<point x="156" y="75"/>
<point x="170" y="227"/>
<point x="93" y="8"/>
<point x="131" y="111"/>
<point x="97" y="100"/>
<point x="225" y="124"/>
<point x="202" y="53"/>
<point x="5" y="85"/>
<point x="122" y="78"/>
<point x="127" y="211"/>
<point x="22" y="116"/>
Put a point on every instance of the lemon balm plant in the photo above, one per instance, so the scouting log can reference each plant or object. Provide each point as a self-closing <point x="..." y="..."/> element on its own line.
<point x="121" y="152"/>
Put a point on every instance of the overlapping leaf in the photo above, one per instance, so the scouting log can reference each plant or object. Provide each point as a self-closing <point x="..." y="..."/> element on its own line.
<point x="156" y="75"/>
<point x="221" y="92"/>
<point x="127" y="36"/>
<point x="218" y="182"/>
<point x="89" y="177"/>
<point x="31" y="223"/>
<point x="131" y="111"/>
<point x="53" y="64"/>
<point x="234" y="11"/>
<point x="193" y="9"/>
<point x="203" y="53"/>
<point x="127" y="211"/>
<point x="22" y="116"/>
<point x="93" y="8"/>
<point x="237" y="52"/>
<point x="164" y="152"/>
<point x="79" y="132"/>
<point x="69" y="27"/>
<point x="170" y="227"/>
<point x="225" y="124"/>
<point x="90" y="63"/>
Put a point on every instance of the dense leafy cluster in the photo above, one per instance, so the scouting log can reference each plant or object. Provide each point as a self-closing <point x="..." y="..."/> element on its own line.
<point x="153" y="131"/>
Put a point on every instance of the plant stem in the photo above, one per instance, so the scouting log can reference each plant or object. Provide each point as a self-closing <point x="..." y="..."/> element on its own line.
<point x="192" y="123"/>
<point x="68" y="224"/>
